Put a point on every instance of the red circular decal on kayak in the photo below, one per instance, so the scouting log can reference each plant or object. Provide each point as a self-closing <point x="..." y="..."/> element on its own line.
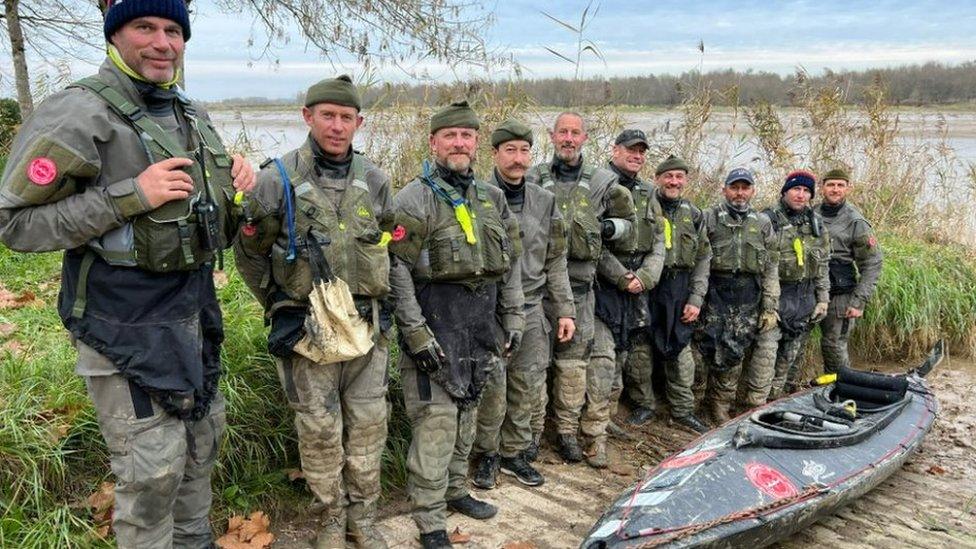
<point x="399" y="233"/>
<point x="42" y="171"/>
<point x="678" y="462"/>
<point x="770" y="481"/>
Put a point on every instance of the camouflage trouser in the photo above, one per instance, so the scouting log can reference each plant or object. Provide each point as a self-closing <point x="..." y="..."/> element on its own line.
<point x="162" y="484"/>
<point x="789" y="356"/>
<point x="638" y="373"/>
<point x="601" y="373"/>
<point x="722" y="358"/>
<point x="490" y="411"/>
<point x="442" y="435"/>
<point x="680" y="374"/>
<point x="835" y="330"/>
<point x="757" y="375"/>
<point x="570" y="375"/>
<point x="523" y="384"/>
<point x="340" y="416"/>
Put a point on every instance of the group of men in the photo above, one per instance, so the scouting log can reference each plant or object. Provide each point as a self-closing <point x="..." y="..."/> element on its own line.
<point x="539" y="292"/>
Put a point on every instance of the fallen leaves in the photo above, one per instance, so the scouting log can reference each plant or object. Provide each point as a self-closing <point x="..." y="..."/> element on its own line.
<point x="459" y="537"/>
<point x="10" y="300"/>
<point x="935" y="470"/>
<point x="247" y="533"/>
<point x="220" y="279"/>
<point x="102" y="503"/>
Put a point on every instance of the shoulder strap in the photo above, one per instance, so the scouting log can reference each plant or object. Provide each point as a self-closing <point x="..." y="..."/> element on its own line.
<point x="129" y="111"/>
<point x="545" y="176"/>
<point x="289" y="210"/>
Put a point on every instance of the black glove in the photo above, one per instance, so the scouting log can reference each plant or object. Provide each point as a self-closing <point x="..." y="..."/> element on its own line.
<point x="287" y="326"/>
<point x="513" y="340"/>
<point x="430" y="358"/>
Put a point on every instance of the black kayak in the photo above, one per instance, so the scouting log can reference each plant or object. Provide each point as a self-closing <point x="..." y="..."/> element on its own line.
<point x="772" y="472"/>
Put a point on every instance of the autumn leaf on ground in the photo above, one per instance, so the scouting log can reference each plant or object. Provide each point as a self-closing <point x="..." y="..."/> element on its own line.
<point x="294" y="474"/>
<point x="457" y="536"/>
<point x="247" y="533"/>
<point x="10" y="300"/>
<point x="935" y="470"/>
<point x="102" y="503"/>
<point x="220" y="279"/>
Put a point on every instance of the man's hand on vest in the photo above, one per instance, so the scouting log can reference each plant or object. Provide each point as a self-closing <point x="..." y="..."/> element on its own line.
<point x="165" y="181"/>
<point x="243" y="174"/>
<point x="690" y="314"/>
<point x="768" y="320"/>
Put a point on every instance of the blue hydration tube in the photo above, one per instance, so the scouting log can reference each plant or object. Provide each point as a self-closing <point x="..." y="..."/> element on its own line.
<point x="289" y="211"/>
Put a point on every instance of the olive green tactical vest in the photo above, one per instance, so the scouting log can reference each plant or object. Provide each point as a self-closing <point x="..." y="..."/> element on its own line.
<point x="681" y="239"/>
<point x="451" y="257"/>
<point x="737" y="245"/>
<point x="168" y="238"/>
<point x="648" y="216"/>
<point x="578" y="212"/>
<point x="794" y="266"/>
<point x="354" y="252"/>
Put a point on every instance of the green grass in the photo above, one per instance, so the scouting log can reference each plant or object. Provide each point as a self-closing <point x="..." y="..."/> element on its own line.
<point x="44" y="476"/>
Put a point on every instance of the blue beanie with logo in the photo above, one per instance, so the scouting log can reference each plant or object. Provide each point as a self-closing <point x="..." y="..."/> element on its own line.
<point x="120" y="12"/>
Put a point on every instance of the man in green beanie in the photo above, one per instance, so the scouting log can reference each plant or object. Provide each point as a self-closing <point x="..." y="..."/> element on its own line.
<point x="597" y="210"/>
<point x="325" y="194"/>
<point x="128" y="177"/>
<point x="674" y="303"/>
<point x="505" y="410"/>
<point x="458" y="294"/>
<point x="855" y="265"/>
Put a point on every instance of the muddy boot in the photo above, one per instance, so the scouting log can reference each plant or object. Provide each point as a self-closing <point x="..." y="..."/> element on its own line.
<point x="717" y="412"/>
<point x="435" y="540"/>
<point x="569" y="448"/>
<point x="332" y="533"/>
<point x="361" y="529"/>
<point x="691" y="422"/>
<point x="618" y="432"/>
<point x="640" y="415"/>
<point x="486" y="471"/>
<point x="476" y="509"/>
<point x="596" y="453"/>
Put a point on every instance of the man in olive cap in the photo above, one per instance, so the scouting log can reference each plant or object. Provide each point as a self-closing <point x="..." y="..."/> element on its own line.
<point x="675" y="302"/>
<point x="324" y="190"/>
<point x="596" y="210"/>
<point x="458" y="294"/>
<point x="743" y="289"/>
<point x="128" y="176"/>
<point x="506" y="407"/>
<point x="855" y="265"/>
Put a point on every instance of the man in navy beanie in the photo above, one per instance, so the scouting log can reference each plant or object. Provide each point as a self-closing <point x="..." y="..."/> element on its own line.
<point x="130" y="179"/>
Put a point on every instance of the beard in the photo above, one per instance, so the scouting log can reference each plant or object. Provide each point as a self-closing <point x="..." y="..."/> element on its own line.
<point x="459" y="163"/>
<point x="568" y="156"/>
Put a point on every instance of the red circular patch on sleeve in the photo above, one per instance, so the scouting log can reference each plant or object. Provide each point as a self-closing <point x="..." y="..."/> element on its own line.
<point x="42" y="171"/>
<point x="399" y="233"/>
<point x="770" y="481"/>
<point x="872" y="242"/>
<point x="684" y="461"/>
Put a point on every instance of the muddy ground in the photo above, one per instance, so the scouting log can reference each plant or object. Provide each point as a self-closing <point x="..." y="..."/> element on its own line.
<point x="930" y="502"/>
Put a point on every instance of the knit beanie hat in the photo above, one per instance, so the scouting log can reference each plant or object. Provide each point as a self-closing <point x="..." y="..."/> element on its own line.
<point x="799" y="178"/>
<point x="120" y="12"/>
<point x="456" y="115"/>
<point x="510" y="130"/>
<point x="338" y="91"/>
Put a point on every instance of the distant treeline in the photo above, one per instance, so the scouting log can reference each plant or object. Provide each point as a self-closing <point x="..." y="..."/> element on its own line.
<point x="928" y="84"/>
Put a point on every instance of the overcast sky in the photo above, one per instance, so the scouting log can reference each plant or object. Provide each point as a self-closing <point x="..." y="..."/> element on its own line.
<point x="636" y="38"/>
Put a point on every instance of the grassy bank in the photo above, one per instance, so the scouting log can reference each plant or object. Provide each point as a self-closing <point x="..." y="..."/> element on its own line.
<point x="52" y="456"/>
